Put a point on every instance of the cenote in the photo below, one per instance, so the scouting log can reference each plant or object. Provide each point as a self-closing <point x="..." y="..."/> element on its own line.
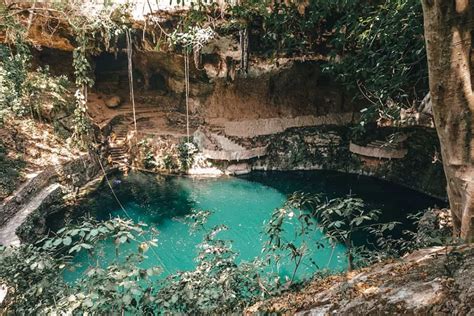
<point x="243" y="204"/>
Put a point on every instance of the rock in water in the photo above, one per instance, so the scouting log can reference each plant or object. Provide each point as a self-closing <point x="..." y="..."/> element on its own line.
<point x="113" y="102"/>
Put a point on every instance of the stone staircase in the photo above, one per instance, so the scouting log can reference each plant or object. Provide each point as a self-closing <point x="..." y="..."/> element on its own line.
<point x="217" y="146"/>
<point x="118" y="146"/>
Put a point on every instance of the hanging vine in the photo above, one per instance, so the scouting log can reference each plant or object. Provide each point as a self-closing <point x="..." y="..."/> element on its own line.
<point x="130" y="75"/>
<point x="191" y="41"/>
<point x="244" y="49"/>
<point x="82" y="73"/>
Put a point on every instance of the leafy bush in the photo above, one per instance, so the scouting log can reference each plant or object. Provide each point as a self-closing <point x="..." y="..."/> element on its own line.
<point x="379" y="55"/>
<point x="24" y="91"/>
<point x="338" y="218"/>
<point x="217" y="285"/>
<point x="33" y="277"/>
<point x="13" y="74"/>
<point x="186" y="150"/>
<point x="33" y="273"/>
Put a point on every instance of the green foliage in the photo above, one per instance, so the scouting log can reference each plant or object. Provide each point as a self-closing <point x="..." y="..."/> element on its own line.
<point x="281" y="26"/>
<point x="379" y="55"/>
<point x="33" y="278"/>
<point x="341" y="218"/>
<point x="33" y="93"/>
<point x="47" y="94"/>
<point x="121" y="287"/>
<point x="89" y="232"/>
<point x="194" y="38"/>
<point x="145" y="148"/>
<point x="338" y="218"/>
<point x="277" y="246"/>
<point x="82" y="124"/>
<point x="82" y="68"/>
<point x="217" y="285"/>
<point x="186" y="151"/>
<point x="432" y="229"/>
<point x="13" y="74"/>
<point x="197" y="219"/>
<point x="33" y="273"/>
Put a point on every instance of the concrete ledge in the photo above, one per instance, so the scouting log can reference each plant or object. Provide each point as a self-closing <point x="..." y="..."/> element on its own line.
<point x="35" y="183"/>
<point x="252" y="128"/>
<point x="8" y="236"/>
<point x="378" y="152"/>
<point x="235" y="155"/>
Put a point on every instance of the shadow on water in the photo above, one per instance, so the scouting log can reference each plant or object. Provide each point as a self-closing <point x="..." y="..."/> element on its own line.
<point x="160" y="197"/>
<point x="395" y="201"/>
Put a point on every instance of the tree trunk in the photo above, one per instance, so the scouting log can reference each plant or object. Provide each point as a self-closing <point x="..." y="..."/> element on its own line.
<point x="448" y="32"/>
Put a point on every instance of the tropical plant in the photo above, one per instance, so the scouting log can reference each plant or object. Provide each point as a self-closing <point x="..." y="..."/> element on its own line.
<point x="378" y="55"/>
<point x="33" y="279"/>
<point x="296" y="247"/>
<point x="342" y="218"/>
<point x="186" y="151"/>
<point x="217" y="285"/>
<point x="13" y="74"/>
<point x="33" y="273"/>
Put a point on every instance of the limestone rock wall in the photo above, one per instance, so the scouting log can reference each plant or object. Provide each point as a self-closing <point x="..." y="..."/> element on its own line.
<point x="434" y="281"/>
<point x="327" y="148"/>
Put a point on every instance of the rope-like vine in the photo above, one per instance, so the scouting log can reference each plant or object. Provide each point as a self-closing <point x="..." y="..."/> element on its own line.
<point x="130" y="76"/>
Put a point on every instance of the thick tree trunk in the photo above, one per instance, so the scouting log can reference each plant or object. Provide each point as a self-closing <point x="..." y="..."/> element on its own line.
<point x="448" y="32"/>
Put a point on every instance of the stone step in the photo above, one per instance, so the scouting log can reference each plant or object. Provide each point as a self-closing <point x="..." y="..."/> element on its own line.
<point x="121" y="128"/>
<point x="117" y="147"/>
<point x="118" y="154"/>
<point x="119" y="139"/>
<point x="117" y="143"/>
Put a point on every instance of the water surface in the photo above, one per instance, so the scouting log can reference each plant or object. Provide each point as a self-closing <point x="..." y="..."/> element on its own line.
<point x="244" y="205"/>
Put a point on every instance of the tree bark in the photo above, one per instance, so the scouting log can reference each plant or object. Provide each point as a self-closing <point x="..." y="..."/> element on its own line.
<point x="448" y="33"/>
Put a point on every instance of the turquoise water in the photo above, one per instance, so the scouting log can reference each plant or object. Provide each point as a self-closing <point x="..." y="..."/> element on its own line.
<point x="242" y="204"/>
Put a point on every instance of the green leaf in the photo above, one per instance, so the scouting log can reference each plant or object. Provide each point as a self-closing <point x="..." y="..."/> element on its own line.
<point x="67" y="241"/>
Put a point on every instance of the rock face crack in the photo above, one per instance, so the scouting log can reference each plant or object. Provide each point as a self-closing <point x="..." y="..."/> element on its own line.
<point x="8" y="235"/>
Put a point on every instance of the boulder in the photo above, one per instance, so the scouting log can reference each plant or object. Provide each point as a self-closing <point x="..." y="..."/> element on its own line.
<point x="113" y="102"/>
